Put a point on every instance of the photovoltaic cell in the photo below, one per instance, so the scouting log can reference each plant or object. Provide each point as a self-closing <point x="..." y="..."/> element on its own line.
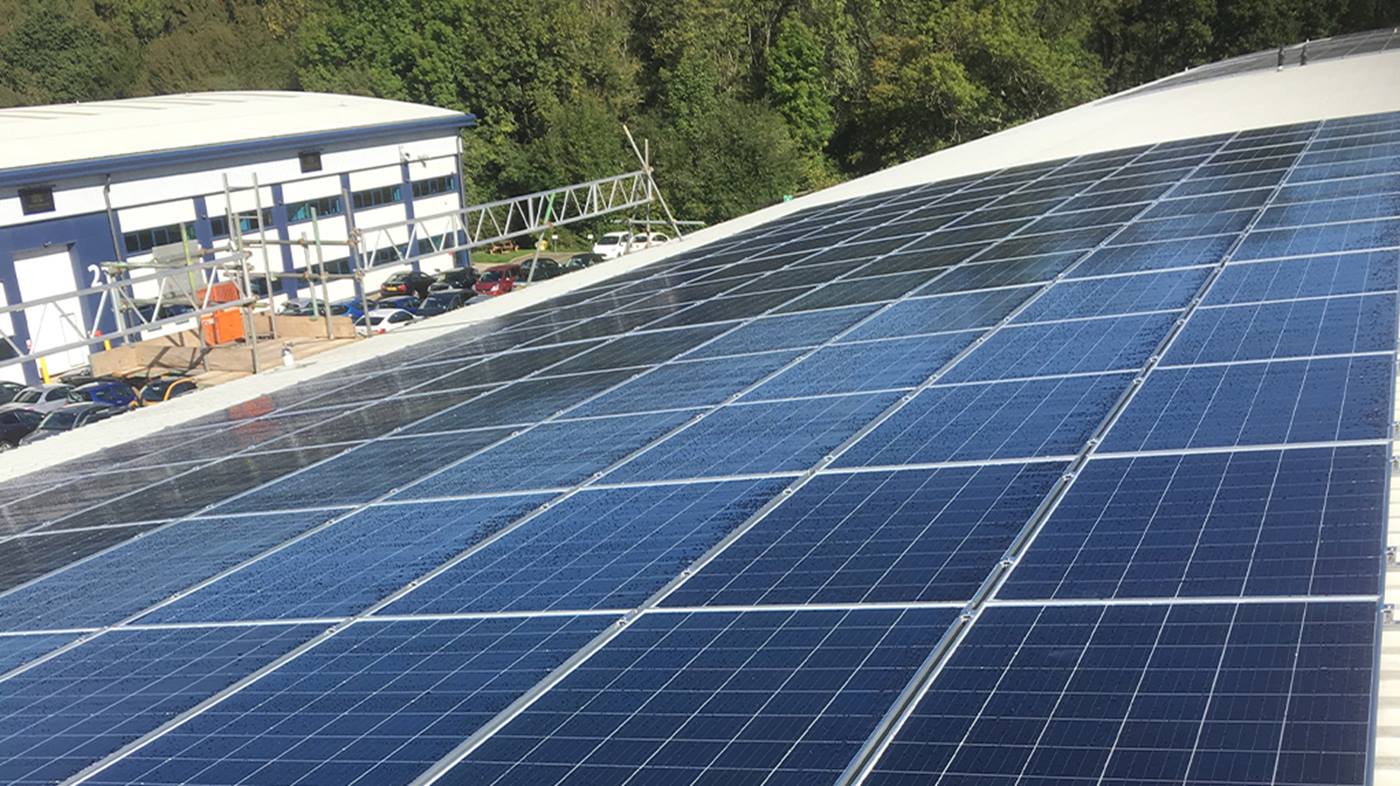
<point x="785" y="332"/>
<point x="780" y="436"/>
<point x="694" y="384"/>
<point x="27" y="558"/>
<point x="1007" y="273"/>
<point x="15" y="651"/>
<point x="1281" y="523"/>
<point x="763" y="696"/>
<point x="125" y="580"/>
<point x="68" y="712"/>
<point x="550" y="456"/>
<point x="365" y="473"/>
<point x="1258" y="404"/>
<point x="375" y="704"/>
<point x="1117" y="295"/>
<point x="1295" y="328"/>
<point x="1081" y="346"/>
<point x="923" y="315"/>
<point x="1343" y="274"/>
<point x="867" y="366"/>
<point x="1031" y="418"/>
<point x="872" y="537"/>
<point x="343" y="569"/>
<point x="1130" y="695"/>
<point x="606" y="548"/>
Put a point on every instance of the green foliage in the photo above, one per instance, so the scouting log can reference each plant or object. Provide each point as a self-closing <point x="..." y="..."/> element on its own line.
<point x="744" y="100"/>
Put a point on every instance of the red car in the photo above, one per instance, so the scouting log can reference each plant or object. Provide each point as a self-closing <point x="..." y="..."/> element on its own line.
<point x="497" y="280"/>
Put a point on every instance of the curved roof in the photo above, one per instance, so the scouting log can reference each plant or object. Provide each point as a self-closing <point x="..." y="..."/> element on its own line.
<point x="52" y="141"/>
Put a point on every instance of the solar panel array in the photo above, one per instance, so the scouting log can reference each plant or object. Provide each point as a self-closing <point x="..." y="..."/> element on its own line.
<point x="1075" y="471"/>
<point x="1351" y="45"/>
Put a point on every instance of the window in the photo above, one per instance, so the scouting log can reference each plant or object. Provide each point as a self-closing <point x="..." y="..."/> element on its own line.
<point x="36" y="199"/>
<point x="434" y="185"/>
<point x="247" y="222"/>
<point x="310" y="161"/>
<point x="377" y="196"/>
<point x="143" y="240"/>
<point x="325" y="206"/>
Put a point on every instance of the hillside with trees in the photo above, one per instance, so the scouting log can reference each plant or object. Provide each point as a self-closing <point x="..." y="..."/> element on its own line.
<point x="744" y="100"/>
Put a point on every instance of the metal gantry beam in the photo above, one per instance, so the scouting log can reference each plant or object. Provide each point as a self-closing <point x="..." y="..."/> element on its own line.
<point x="492" y="222"/>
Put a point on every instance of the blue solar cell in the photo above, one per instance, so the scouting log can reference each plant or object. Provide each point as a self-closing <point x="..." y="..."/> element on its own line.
<point x="782" y="436"/>
<point x="1293" y="328"/>
<point x="1131" y="695"/>
<point x="1038" y="417"/>
<point x="1329" y="239"/>
<point x="1344" y="274"/>
<point x="553" y="455"/>
<point x="872" y="537"/>
<point x="772" y="697"/>
<point x="1333" y="189"/>
<point x="1101" y="297"/>
<point x="1345" y="169"/>
<point x="15" y="651"/>
<point x="869" y="365"/>
<point x="1258" y="404"/>
<point x="1179" y="227"/>
<point x="1330" y="211"/>
<point x="873" y="289"/>
<point x="376" y="704"/>
<point x="1080" y="346"/>
<point x="118" y="583"/>
<point x="1050" y="245"/>
<point x="350" y="565"/>
<point x="606" y="548"/>
<point x="640" y="349"/>
<point x="693" y="384"/>
<point x="1013" y="272"/>
<point x="923" y="315"/>
<point x="64" y="714"/>
<point x="364" y="473"/>
<point x="528" y="401"/>
<point x="1155" y="256"/>
<point x="785" y="332"/>
<point x="1297" y="522"/>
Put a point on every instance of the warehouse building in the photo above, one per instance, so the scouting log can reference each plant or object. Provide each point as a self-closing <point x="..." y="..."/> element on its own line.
<point x="86" y="184"/>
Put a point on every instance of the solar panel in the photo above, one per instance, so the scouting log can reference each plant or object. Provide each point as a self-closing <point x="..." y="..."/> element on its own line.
<point x="1070" y="472"/>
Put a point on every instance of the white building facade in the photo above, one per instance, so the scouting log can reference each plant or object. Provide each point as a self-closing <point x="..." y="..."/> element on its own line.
<point x="85" y="184"/>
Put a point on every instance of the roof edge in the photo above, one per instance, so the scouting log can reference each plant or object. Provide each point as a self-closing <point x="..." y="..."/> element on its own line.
<point x="125" y="163"/>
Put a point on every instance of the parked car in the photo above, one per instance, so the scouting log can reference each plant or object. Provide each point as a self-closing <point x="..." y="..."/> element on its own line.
<point x="453" y="279"/>
<point x="543" y="270"/>
<point x="443" y="301"/>
<point x="614" y="244"/>
<point x="407" y="303"/>
<point x="40" y="398"/>
<point x="69" y="417"/>
<point x="497" y="280"/>
<point x="15" y="425"/>
<point x="581" y="261"/>
<point x="110" y="392"/>
<point x="407" y="282"/>
<point x="8" y="391"/>
<point x="149" y="313"/>
<point x="382" y="320"/>
<point x="299" y="306"/>
<point x="166" y="388"/>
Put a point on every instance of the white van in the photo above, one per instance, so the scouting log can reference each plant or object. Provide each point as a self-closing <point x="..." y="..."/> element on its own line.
<point x="615" y="244"/>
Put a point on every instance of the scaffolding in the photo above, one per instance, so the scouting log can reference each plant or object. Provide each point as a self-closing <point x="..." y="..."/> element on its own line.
<point x="184" y="275"/>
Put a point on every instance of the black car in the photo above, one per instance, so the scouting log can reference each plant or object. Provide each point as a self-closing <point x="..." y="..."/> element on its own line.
<point x="8" y="391"/>
<point x="69" y="417"/>
<point x="443" y="301"/>
<point x="408" y="282"/>
<point x="581" y="261"/>
<point x="15" y="425"/>
<point x="453" y="279"/>
<point x="544" y="269"/>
